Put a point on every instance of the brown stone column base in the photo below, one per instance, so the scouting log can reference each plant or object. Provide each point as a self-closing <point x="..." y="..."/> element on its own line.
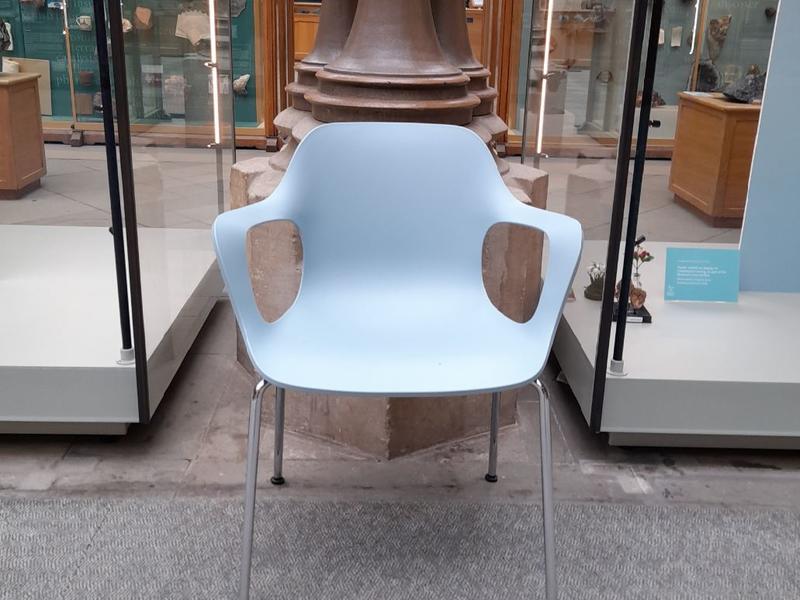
<point x="305" y="82"/>
<point x="350" y="97"/>
<point x="479" y="85"/>
<point x="384" y="426"/>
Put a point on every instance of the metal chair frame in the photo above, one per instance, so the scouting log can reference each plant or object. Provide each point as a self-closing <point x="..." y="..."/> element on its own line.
<point x="251" y="471"/>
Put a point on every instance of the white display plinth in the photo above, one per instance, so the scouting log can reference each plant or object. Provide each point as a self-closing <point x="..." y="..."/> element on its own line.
<point x="701" y="374"/>
<point x="59" y="319"/>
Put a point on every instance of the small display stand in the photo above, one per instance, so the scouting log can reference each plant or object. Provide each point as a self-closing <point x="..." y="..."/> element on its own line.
<point x="702" y="374"/>
<point x="635" y="315"/>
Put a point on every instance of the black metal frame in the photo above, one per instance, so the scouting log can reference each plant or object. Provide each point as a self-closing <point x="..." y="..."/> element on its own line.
<point x="113" y="178"/>
<point x="638" y="27"/>
<point x="638" y="175"/>
<point x="129" y="282"/>
<point x="129" y="201"/>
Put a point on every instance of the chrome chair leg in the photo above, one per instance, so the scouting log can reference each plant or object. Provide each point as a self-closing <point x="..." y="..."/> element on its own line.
<point x="277" y="470"/>
<point x="251" y="474"/>
<point x="491" y="475"/>
<point x="551" y="585"/>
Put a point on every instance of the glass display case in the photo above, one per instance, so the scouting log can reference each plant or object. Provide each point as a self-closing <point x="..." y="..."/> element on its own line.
<point x="736" y="40"/>
<point x="167" y="47"/>
<point x="704" y="45"/>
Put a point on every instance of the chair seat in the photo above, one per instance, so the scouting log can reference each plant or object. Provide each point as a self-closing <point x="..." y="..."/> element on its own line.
<point x="437" y="342"/>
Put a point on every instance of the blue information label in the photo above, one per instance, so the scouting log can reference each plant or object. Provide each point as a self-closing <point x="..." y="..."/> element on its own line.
<point x="702" y="275"/>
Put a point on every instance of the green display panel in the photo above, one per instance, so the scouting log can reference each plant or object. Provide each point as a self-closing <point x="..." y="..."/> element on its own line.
<point x="674" y="62"/>
<point x="244" y="62"/>
<point x="167" y="74"/>
<point x="83" y="49"/>
<point x="168" y="79"/>
<point x="37" y="31"/>
<point x="748" y="38"/>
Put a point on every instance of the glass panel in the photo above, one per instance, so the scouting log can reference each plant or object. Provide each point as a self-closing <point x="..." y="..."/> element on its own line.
<point x="605" y="81"/>
<point x="586" y="65"/>
<point x="676" y="54"/>
<point x="573" y="136"/>
<point x="581" y="114"/>
<point x="696" y="201"/>
<point x="574" y="110"/>
<point x="734" y="39"/>
<point x="163" y="62"/>
<point x="180" y="94"/>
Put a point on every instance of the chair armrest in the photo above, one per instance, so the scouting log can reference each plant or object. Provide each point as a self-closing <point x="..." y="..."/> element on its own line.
<point x="230" y="242"/>
<point x="565" y="238"/>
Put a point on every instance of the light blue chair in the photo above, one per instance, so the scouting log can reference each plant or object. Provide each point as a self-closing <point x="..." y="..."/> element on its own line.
<point x="392" y="218"/>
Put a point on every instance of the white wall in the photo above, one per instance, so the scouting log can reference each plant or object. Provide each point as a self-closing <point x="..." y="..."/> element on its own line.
<point x="770" y="246"/>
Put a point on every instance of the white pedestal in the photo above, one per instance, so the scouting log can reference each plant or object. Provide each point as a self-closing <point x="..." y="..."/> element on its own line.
<point x="701" y="374"/>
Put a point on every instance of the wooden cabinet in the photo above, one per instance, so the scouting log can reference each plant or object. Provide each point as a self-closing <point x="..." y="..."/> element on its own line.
<point x="22" y="161"/>
<point x="714" y="144"/>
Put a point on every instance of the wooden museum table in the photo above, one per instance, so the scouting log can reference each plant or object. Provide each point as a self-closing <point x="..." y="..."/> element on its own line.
<point x="714" y="143"/>
<point x="22" y="162"/>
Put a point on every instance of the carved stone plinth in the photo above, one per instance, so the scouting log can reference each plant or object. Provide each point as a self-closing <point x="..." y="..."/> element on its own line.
<point x="387" y="427"/>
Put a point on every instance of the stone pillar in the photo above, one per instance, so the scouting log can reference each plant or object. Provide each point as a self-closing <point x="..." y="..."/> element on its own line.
<point x="335" y="21"/>
<point x="392" y="68"/>
<point x="450" y="17"/>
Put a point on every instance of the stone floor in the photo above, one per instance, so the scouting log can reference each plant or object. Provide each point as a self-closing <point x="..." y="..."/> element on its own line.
<point x="195" y="445"/>
<point x="174" y="187"/>
<point x="584" y="189"/>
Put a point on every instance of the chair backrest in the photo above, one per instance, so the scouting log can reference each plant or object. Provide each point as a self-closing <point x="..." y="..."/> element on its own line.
<point x="407" y="202"/>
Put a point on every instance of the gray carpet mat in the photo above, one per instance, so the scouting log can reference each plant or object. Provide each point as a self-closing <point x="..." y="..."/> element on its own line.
<point x="189" y="548"/>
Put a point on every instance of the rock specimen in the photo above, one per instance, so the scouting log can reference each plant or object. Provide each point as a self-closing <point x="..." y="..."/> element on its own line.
<point x="708" y="76"/>
<point x="747" y="89"/>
